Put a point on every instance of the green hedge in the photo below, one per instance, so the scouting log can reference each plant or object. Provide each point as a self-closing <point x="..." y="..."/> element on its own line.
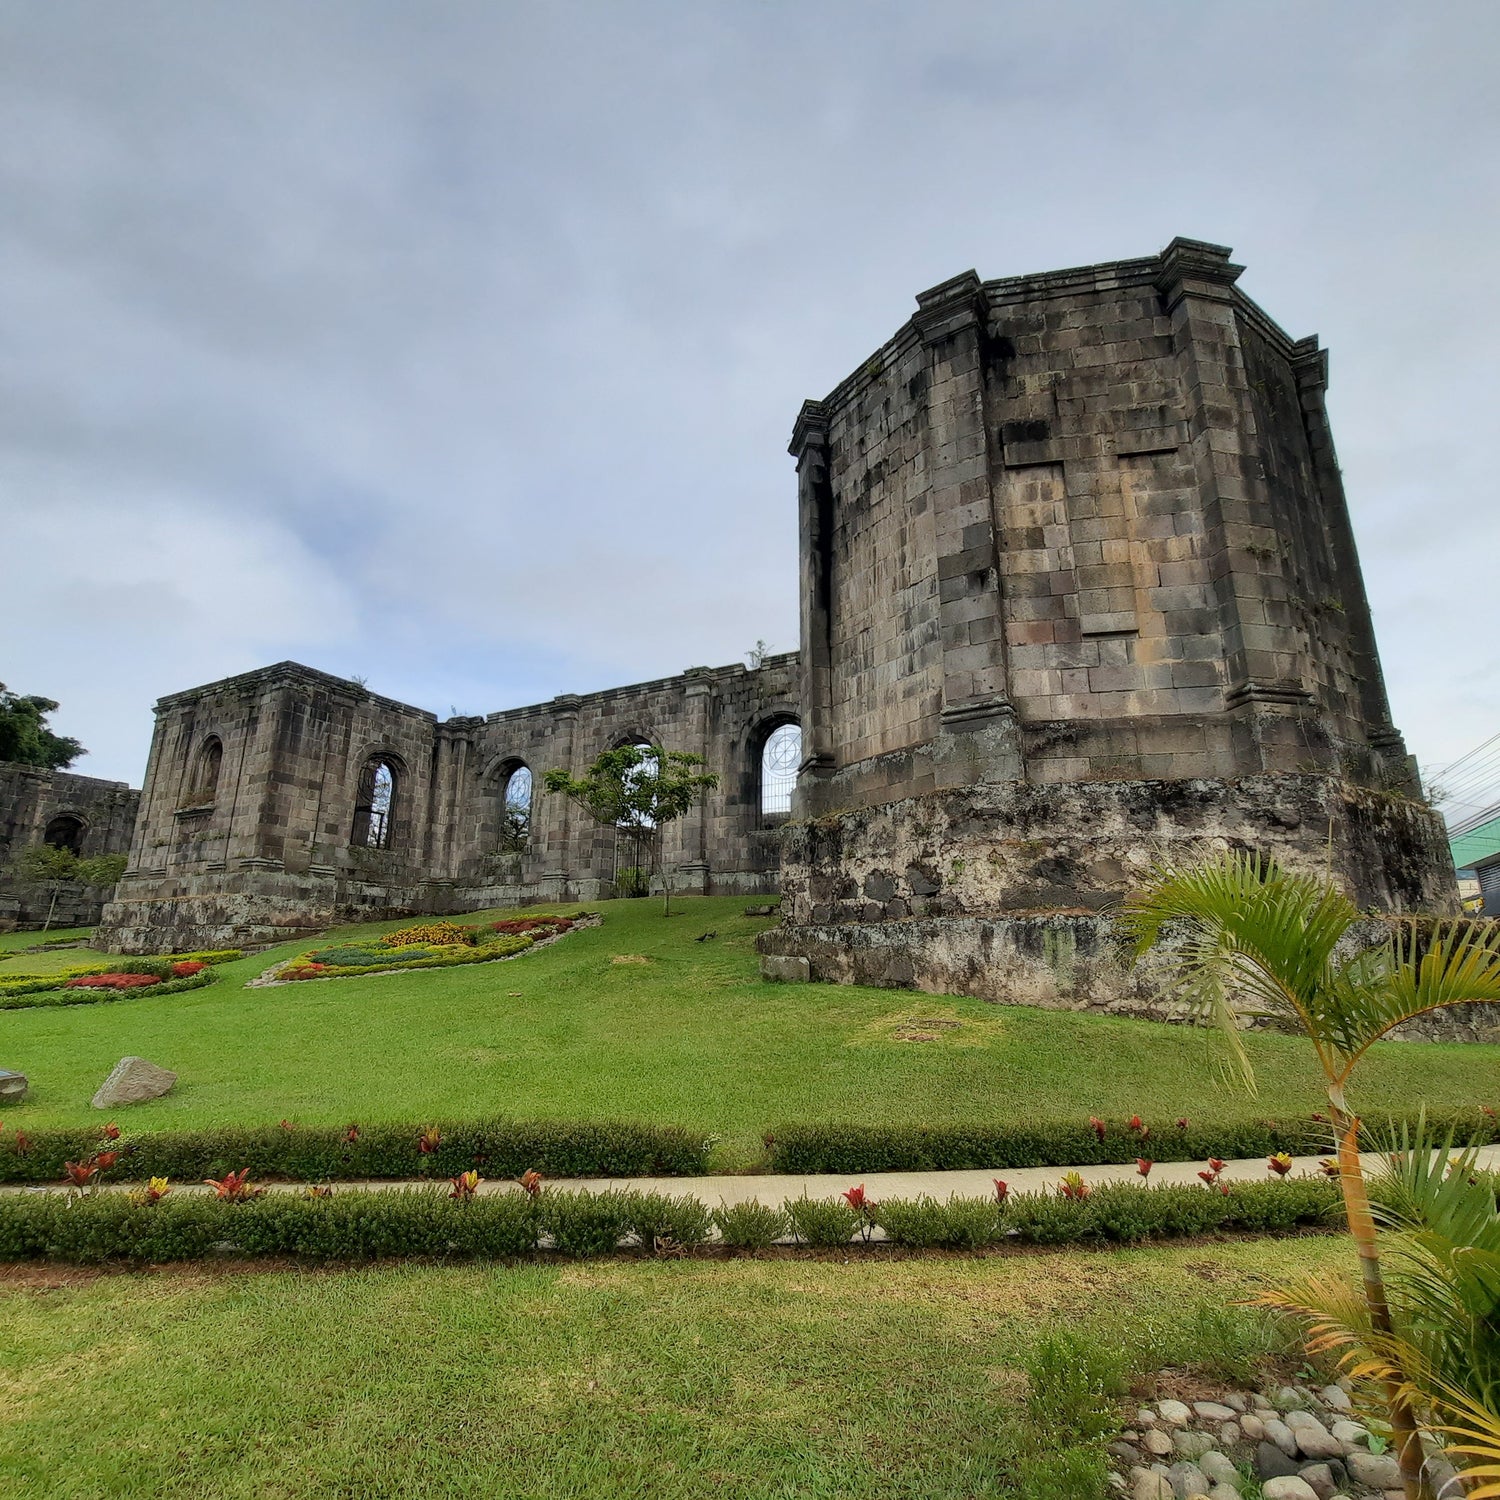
<point x="321" y="1153"/>
<point x="840" y="1149"/>
<point x="22" y="999"/>
<point x="363" y="1225"/>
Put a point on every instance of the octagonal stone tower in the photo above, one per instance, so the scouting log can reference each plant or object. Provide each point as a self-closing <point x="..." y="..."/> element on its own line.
<point x="1079" y="594"/>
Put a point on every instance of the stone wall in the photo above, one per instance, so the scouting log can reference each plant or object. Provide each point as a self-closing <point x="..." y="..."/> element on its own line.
<point x="32" y="800"/>
<point x="269" y="850"/>
<point x="1080" y="594"/>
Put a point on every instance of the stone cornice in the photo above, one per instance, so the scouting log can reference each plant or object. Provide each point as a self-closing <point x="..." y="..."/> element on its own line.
<point x="950" y="307"/>
<point x="810" y="429"/>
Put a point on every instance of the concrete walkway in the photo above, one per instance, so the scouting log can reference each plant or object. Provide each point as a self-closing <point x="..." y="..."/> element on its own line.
<point x="778" y="1189"/>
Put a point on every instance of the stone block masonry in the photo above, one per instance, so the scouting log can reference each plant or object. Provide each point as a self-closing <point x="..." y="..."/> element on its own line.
<point x="1080" y="594"/>
<point x="256" y="814"/>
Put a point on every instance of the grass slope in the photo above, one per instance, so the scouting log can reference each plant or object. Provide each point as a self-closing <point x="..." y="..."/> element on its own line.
<point x="691" y="1036"/>
<point x="664" y="1379"/>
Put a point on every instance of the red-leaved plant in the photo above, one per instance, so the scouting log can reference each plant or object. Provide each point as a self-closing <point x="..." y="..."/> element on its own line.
<point x="110" y="1132"/>
<point x="1143" y="1165"/>
<point x="861" y="1203"/>
<point x="1280" y="1163"/>
<point x="465" y="1185"/>
<point x="1073" y="1186"/>
<point x="1097" y="1126"/>
<point x="234" y="1187"/>
<point x="79" y="1174"/>
<point x="531" y="1183"/>
<point x="429" y="1140"/>
<point x="1002" y="1190"/>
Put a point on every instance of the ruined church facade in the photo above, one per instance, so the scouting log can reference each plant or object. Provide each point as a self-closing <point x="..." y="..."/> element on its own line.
<point x="1079" y="593"/>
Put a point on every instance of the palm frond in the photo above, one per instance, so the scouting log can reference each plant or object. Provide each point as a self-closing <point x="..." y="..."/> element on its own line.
<point x="1240" y="926"/>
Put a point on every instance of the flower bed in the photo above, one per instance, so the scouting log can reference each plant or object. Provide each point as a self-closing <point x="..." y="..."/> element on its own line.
<point x="429" y="945"/>
<point x="83" y="984"/>
<point x="154" y="1224"/>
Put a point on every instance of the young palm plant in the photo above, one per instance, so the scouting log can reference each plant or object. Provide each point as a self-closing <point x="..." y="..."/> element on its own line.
<point x="1442" y="1268"/>
<point x="1244" y="937"/>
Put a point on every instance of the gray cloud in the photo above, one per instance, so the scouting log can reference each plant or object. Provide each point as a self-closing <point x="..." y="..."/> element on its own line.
<point x="457" y="345"/>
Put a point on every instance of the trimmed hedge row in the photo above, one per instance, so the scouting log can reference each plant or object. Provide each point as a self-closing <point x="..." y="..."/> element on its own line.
<point x="323" y="1153"/>
<point x="21" y="999"/>
<point x="360" y="1225"/>
<point x="840" y="1149"/>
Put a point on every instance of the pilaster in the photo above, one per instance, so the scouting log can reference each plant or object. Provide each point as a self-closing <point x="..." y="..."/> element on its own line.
<point x="815" y="520"/>
<point x="979" y="739"/>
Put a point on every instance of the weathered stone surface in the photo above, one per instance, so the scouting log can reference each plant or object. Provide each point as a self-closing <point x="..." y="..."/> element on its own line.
<point x="1376" y="1471"/>
<point x="1192" y="1444"/>
<point x="1282" y="1436"/>
<point x="1146" y="1484"/>
<point x="13" y="1086"/>
<point x="1186" y="1480"/>
<point x="1271" y="1461"/>
<point x="784" y="970"/>
<point x="1212" y="1411"/>
<point x="133" y="1080"/>
<point x="1174" y="1413"/>
<point x="1252" y="1426"/>
<point x="1158" y="1442"/>
<point x="1219" y="1468"/>
<point x="1288" y="1487"/>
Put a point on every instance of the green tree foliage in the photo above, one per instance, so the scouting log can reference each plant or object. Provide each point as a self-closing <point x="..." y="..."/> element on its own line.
<point x="25" y="737"/>
<point x="54" y="868"/>
<point x="638" y="789"/>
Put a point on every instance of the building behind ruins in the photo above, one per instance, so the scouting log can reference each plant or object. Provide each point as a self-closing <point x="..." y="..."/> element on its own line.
<point x="1079" y="594"/>
<point x="81" y="813"/>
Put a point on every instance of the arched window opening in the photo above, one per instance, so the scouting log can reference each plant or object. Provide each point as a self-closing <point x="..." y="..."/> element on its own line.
<point x="647" y="767"/>
<point x="206" y="770"/>
<point x="375" y="805"/>
<point x="779" y="758"/>
<point x="65" y="832"/>
<point x="515" y="820"/>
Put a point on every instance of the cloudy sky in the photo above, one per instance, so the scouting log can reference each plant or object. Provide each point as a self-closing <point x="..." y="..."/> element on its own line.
<point x="456" y="345"/>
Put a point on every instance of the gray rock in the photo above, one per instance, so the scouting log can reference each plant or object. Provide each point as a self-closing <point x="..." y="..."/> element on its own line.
<point x="1174" y="1413"/>
<point x="1145" y="1417"/>
<point x="1193" y="1445"/>
<point x="12" y="1086"/>
<point x="1350" y="1434"/>
<point x="1212" y="1411"/>
<point x="1270" y="1461"/>
<point x="1188" y="1479"/>
<point x="1146" y="1484"/>
<point x="1335" y="1398"/>
<point x="1253" y="1427"/>
<point x="1376" y="1471"/>
<point x="760" y="911"/>
<point x="1282" y="1436"/>
<point x="1237" y="1401"/>
<point x="1223" y="1492"/>
<point x="132" y="1081"/>
<point x="1158" y="1443"/>
<point x="1319" y="1477"/>
<point x="1287" y="1398"/>
<point x="1289" y="1487"/>
<point x="1125" y="1451"/>
<point x="785" y="970"/>
<point x="1314" y="1440"/>
<point x="1229" y="1434"/>
<point x="1219" y="1469"/>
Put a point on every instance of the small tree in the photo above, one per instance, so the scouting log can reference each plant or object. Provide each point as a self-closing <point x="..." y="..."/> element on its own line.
<point x="49" y="867"/>
<point x="638" y="789"/>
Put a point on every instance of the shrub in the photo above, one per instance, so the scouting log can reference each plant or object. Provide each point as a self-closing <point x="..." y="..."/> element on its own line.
<point x="632" y="881"/>
<point x="658" y="1221"/>
<point x="357" y="1224"/>
<point x="847" y="1150"/>
<point x="326" y="1153"/>
<point x="186" y="966"/>
<point x="111" y="981"/>
<point x="752" y="1225"/>
<point x="586" y="1223"/>
<point x="821" y="1222"/>
<point x="432" y="934"/>
<point x="543" y="924"/>
<point x="958" y="1224"/>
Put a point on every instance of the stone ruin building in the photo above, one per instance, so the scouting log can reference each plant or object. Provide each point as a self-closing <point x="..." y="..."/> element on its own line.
<point x="1079" y="593"/>
<point x="281" y="801"/>
<point x="81" y="813"/>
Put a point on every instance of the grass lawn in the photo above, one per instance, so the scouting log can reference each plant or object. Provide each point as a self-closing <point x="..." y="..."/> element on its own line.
<point x="773" y="1378"/>
<point x="689" y="1036"/>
